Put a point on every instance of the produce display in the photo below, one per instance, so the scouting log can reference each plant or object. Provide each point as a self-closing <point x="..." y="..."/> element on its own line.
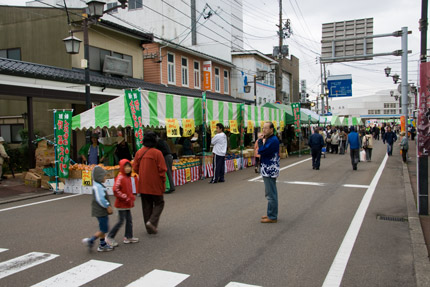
<point x="185" y="162"/>
<point x="79" y="166"/>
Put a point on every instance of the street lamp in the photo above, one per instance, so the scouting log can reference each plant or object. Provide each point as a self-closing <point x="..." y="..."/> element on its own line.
<point x="395" y="78"/>
<point x="95" y="8"/>
<point x="387" y="71"/>
<point x="72" y="44"/>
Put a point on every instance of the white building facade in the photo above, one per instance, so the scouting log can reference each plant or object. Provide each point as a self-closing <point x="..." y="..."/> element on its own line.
<point x="248" y="63"/>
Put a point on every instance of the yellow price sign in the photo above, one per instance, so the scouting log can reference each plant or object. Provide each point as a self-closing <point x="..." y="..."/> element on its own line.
<point x="213" y="127"/>
<point x="233" y="127"/>
<point x="188" y="127"/>
<point x="235" y="164"/>
<point x="172" y="128"/>
<point x="262" y="124"/>
<point x="281" y="126"/>
<point x="86" y="178"/>
<point x="250" y="128"/>
<point x="188" y="174"/>
<point x="275" y="124"/>
<point x="249" y="161"/>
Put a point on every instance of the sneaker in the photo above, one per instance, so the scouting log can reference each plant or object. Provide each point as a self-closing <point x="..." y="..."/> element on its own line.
<point x="130" y="240"/>
<point x="111" y="241"/>
<point x="88" y="243"/>
<point x="105" y="248"/>
<point x="151" y="228"/>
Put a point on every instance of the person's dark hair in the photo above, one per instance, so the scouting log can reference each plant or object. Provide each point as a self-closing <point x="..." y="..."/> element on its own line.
<point x="220" y="125"/>
<point x="149" y="139"/>
<point x="271" y="125"/>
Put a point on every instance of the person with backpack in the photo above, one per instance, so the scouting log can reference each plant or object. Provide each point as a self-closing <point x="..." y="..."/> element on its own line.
<point x="367" y="145"/>
<point x="404" y="146"/>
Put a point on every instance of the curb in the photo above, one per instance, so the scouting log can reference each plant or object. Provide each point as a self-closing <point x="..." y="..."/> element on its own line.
<point x="419" y="248"/>
<point x="15" y="199"/>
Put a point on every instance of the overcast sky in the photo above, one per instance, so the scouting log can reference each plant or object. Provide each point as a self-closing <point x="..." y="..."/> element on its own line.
<point x="307" y="17"/>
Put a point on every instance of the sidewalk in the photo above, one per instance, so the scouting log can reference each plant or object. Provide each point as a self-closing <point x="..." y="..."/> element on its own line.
<point x="14" y="189"/>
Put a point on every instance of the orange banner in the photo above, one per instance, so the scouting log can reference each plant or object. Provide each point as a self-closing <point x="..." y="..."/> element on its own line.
<point x="207" y="75"/>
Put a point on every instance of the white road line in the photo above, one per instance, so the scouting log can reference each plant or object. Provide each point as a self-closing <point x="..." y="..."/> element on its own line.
<point x="356" y="185"/>
<point x="80" y="274"/>
<point x="337" y="269"/>
<point x="39" y="202"/>
<point x="235" y="284"/>
<point x="24" y="262"/>
<point x="285" y="167"/>
<point x="306" y="183"/>
<point x="3" y="249"/>
<point x="159" y="278"/>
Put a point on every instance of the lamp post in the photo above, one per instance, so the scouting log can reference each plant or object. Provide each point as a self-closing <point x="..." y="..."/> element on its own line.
<point x="72" y="43"/>
<point x="259" y="76"/>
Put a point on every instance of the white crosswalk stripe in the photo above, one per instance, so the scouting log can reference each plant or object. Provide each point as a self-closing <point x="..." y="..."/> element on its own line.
<point x="235" y="284"/>
<point x="24" y="262"/>
<point x="159" y="278"/>
<point x="80" y="275"/>
<point x="3" y="250"/>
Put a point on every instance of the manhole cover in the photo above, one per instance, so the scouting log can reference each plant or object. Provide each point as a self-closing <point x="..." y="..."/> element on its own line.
<point x="392" y="218"/>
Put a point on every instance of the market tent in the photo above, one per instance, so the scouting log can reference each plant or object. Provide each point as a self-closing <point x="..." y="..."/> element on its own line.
<point x="315" y="118"/>
<point x="289" y="115"/>
<point x="263" y="113"/>
<point x="156" y="107"/>
<point x="353" y="121"/>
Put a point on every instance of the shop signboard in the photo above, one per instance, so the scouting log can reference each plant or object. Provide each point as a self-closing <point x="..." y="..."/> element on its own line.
<point x="188" y="127"/>
<point x="207" y="75"/>
<point x="296" y="112"/>
<point x="86" y="178"/>
<point x="172" y="128"/>
<point x="213" y="128"/>
<point x="250" y="127"/>
<point x="134" y="105"/>
<point x="233" y="127"/>
<point x="63" y="122"/>
<point x="281" y="126"/>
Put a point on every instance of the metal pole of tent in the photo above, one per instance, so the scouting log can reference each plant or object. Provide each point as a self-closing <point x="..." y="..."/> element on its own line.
<point x="56" y="154"/>
<point x="203" y="134"/>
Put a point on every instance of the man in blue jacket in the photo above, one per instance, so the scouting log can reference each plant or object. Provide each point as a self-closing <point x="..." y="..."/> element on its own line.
<point x="389" y="137"/>
<point x="268" y="149"/>
<point x="316" y="143"/>
<point x="354" y="144"/>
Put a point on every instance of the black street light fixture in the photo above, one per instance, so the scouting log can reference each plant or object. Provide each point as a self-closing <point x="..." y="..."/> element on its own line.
<point x="387" y="71"/>
<point x="72" y="44"/>
<point x="396" y="78"/>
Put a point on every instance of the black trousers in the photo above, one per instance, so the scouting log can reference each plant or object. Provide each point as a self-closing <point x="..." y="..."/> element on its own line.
<point x="152" y="207"/>
<point x="316" y="158"/>
<point x="123" y="215"/>
<point x="355" y="156"/>
<point x="219" y="168"/>
<point x="404" y="154"/>
<point x="334" y="148"/>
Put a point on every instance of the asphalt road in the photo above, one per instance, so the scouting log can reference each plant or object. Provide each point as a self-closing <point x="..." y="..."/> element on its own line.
<point x="213" y="234"/>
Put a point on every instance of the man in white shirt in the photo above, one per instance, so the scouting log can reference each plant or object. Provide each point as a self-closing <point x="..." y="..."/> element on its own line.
<point x="219" y="142"/>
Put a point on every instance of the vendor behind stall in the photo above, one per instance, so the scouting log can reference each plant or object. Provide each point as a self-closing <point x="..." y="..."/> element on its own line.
<point x="187" y="147"/>
<point x="92" y="153"/>
<point x="122" y="149"/>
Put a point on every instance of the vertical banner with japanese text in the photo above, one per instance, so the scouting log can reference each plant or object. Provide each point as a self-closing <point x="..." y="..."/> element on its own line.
<point x="188" y="127"/>
<point x="296" y="112"/>
<point x="63" y="122"/>
<point x="423" y="124"/>
<point x="134" y="105"/>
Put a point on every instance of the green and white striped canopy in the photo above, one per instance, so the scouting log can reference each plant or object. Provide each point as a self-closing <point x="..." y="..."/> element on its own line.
<point x="259" y="113"/>
<point x="156" y="107"/>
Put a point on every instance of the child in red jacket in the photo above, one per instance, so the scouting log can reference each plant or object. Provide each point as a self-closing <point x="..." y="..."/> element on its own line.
<point x="124" y="189"/>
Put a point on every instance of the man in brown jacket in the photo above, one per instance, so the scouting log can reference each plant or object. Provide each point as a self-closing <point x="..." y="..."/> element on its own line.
<point x="150" y="165"/>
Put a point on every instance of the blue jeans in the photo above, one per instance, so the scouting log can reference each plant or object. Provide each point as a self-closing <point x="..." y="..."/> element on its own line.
<point x="272" y="197"/>
<point x="103" y="223"/>
<point x="390" y="149"/>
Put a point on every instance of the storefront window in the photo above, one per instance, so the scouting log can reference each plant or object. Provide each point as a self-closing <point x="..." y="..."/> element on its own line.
<point x="171" y="68"/>
<point x="10" y="133"/>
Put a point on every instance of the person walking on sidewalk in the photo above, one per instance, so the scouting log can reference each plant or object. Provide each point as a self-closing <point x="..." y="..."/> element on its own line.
<point x="3" y="157"/>
<point x="404" y="146"/>
<point x="168" y="159"/>
<point x="354" y="146"/>
<point x="269" y="160"/>
<point x="219" y="141"/>
<point x="316" y="143"/>
<point x="389" y="137"/>
<point x="335" y="141"/>
<point x="101" y="209"/>
<point x="124" y="188"/>
<point x="367" y="145"/>
<point x="149" y="164"/>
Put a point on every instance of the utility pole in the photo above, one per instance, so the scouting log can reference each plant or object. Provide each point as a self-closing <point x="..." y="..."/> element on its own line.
<point x="279" y="70"/>
<point x="325" y="85"/>
<point x="322" y="90"/>
<point x="423" y="208"/>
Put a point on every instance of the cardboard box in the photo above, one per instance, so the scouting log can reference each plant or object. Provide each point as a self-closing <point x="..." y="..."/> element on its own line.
<point x="32" y="179"/>
<point x="283" y="155"/>
<point x="75" y="173"/>
<point x="112" y="173"/>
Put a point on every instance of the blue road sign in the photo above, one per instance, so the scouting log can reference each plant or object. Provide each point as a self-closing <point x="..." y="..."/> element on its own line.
<point x="339" y="86"/>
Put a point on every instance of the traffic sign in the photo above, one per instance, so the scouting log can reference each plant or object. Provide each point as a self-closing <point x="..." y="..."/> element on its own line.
<point x="339" y="86"/>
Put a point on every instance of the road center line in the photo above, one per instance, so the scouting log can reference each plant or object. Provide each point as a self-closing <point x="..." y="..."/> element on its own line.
<point x="39" y="202"/>
<point x="285" y="167"/>
<point x="356" y="185"/>
<point x="337" y="269"/>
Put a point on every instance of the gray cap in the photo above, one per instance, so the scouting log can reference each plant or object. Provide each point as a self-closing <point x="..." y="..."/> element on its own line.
<point x="98" y="174"/>
<point x="1" y="139"/>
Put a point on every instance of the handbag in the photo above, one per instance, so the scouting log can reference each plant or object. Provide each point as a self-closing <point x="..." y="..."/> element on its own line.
<point x="363" y="155"/>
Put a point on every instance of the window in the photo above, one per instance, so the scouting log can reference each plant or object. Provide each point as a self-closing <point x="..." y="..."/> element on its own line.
<point x="272" y="79"/>
<point x="171" y="68"/>
<point x="184" y="71"/>
<point x="111" y="5"/>
<point x="134" y="4"/>
<point x="97" y="59"/>
<point x="370" y="112"/>
<point x="10" y="133"/>
<point x="226" y="84"/>
<point x="386" y="105"/>
<point x="217" y="80"/>
<point x="197" y="75"/>
<point x="14" y="54"/>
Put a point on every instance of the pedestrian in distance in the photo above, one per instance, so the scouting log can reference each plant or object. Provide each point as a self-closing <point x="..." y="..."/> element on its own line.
<point x="354" y="146"/>
<point x="367" y="145"/>
<point x="256" y="155"/>
<point x="101" y="209"/>
<point x="149" y="164"/>
<point x="389" y="137"/>
<point x="219" y="142"/>
<point x="335" y="141"/>
<point x="404" y="146"/>
<point x="269" y="160"/>
<point x="168" y="159"/>
<point x="316" y="143"/>
<point x="124" y="188"/>
<point x="3" y="157"/>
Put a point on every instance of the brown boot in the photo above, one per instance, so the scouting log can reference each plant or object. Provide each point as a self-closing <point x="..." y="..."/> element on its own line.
<point x="268" y="220"/>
